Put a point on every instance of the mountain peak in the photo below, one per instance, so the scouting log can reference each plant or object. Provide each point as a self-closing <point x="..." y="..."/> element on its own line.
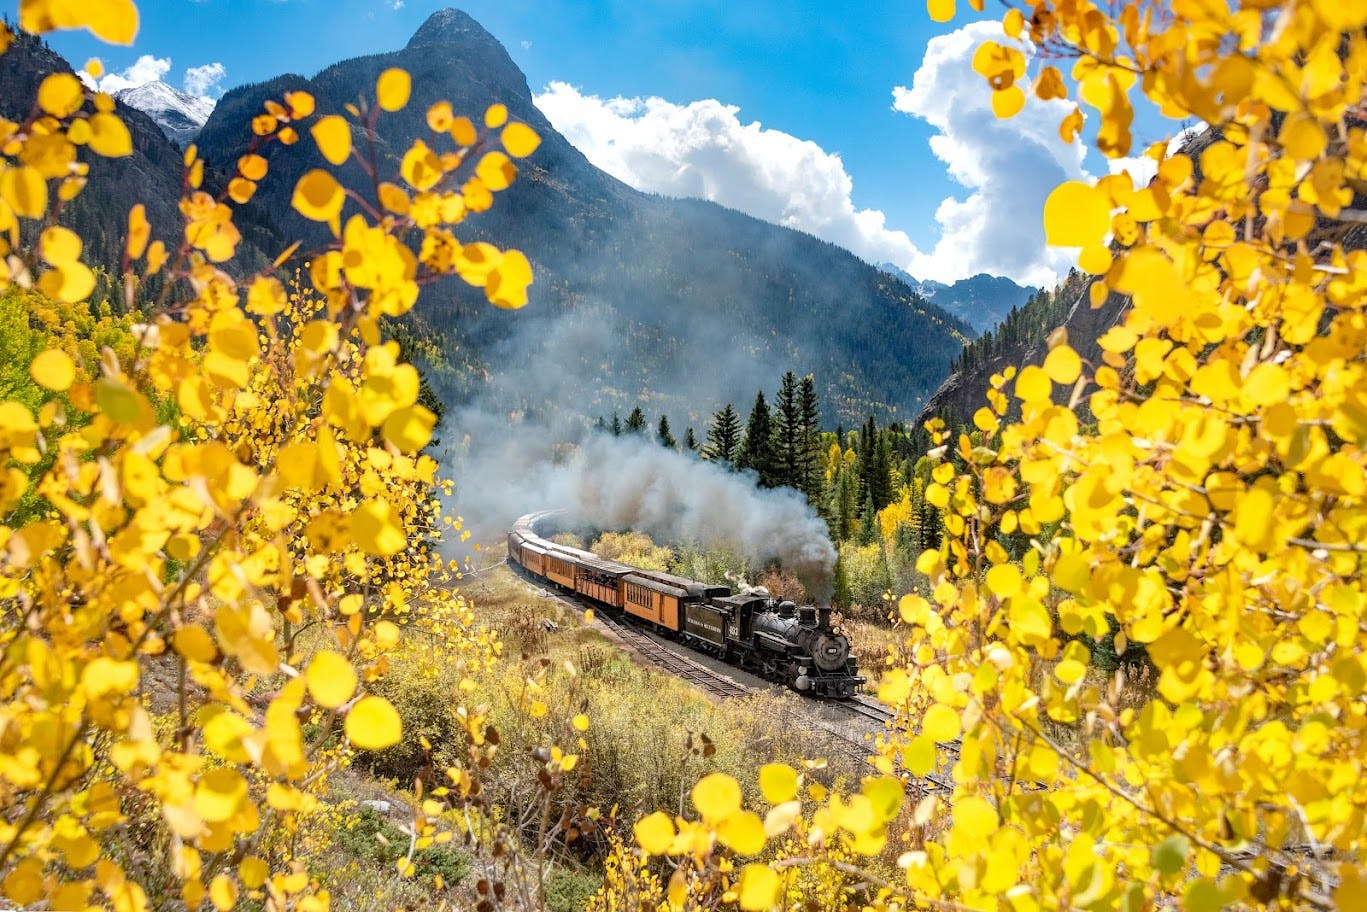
<point x="450" y="26"/>
<point x="179" y="115"/>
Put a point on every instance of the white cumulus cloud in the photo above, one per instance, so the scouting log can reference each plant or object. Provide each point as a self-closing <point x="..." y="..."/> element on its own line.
<point x="1008" y="166"/>
<point x="703" y="149"/>
<point x="203" y="81"/>
<point x="144" y="70"/>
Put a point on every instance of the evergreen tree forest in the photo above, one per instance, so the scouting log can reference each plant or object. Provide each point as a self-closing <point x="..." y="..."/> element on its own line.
<point x="868" y="483"/>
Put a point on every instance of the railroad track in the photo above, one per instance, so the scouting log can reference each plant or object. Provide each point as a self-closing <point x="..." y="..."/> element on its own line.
<point x="652" y="651"/>
<point x="868" y="709"/>
<point x="855" y="746"/>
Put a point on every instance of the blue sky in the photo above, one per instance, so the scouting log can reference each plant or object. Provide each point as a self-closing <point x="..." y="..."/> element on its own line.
<point x="809" y="72"/>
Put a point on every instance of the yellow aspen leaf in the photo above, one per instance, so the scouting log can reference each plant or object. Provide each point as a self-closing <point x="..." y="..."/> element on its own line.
<point x="1266" y="384"/>
<point x="440" y="116"/>
<point x="194" y="643"/>
<point x="223" y="893"/>
<point x="393" y="88"/>
<point x="252" y="166"/>
<point x="742" y="833"/>
<point x="331" y="679"/>
<point x="463" y="131"/>
<point x="1153" y="281"/>
<point x="241" y="190"/>
<point x="253" y="872"/>
<point x="520" y="140"/>
<point x="1008" y="102"/>
<point x="1033" y="384"/>
<point x="716" y="796"/>
<point x="319" y="197"/>
<point x="1351" y="893"/>
<point x="506" y="285"/>
<point x="109" y="676"/>
<point x="919" y="756"/>
<point x="1071" y="125"/>
<point x="940" y="10"/>
<point x="885" y="796"/>
<point x="373" y="724"/>
<point x="975" y="817"/>
<point x="109" y="136"/>
<point x="377" y="528"/>
<point x="1063" y="365"/>
<point x="496" y="116"/>
<point x="393" y="198"/>
<point x="421" y="167"/>
<point x="759" y="885"/>
<point x="219" y="795"/>
<point x="1095" y="259"/>
<point x="1076" y="215"/>
<point x="496" y="171"/>
<point x="61" y="95"/>
<point x="53" y="370"/>
<point x="678" y="890"/>
<point x="1255" y="520"/>
<point x="120" y="403"/>
<point x="1049" y="84"/>
<point x="139" y="231"/>
<point x="654" y="833"/>
<point x="266" y="296"/>
<point x="333" y="136"/>
<point x="25" y="191"/>
<point x="114" y="21"/>
<point x="94" y="68"/>
<point x="580" y="723"/>
<point x="778" y="782"/>
<point x="24" y="884"/>
<point x="475" y="262"/>
<point x="940" y="723"/>
<point x="1302" y="136"/>
<point x="301" y="104"/>
<point x="1013" y="22"/>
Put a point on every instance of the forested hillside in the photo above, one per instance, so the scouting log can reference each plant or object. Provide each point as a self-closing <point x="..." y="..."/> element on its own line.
<point x="637" y="297"/>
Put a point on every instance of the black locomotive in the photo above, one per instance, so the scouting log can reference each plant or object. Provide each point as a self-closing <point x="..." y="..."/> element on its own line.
<point x="777" y="639"/>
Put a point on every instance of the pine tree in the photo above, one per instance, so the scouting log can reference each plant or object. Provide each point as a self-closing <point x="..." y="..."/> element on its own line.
<point x="809" y="459"/>
<point x="723" y="437"/>
<point x="616" y="424"/>
<point x="690" y="441"/>
<point x="757" y="452"/>
<point x="636" y="421"/>
<point x="845" y="503"/>
<point x="868" y="523"/>
<point x="841" y="595"/>
<point x="880" y="473"/>
<point x="663" y="435"/>
<point x="787" y="434"/>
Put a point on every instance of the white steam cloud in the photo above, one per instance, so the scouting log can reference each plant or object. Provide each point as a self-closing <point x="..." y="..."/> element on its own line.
<point x="631" y="482"/>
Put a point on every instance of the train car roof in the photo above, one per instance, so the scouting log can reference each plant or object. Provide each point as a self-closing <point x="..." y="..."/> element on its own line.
<point x="607" y="566"/>
<point x="534" y="548"/>
<point x="655" y="585"/>
<point x="682" y="582"/>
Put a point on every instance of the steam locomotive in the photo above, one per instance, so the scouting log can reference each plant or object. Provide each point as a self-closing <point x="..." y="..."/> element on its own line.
<point x="776" y="639"/>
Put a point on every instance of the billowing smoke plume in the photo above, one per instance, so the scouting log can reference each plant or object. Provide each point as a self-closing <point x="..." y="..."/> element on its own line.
<point x="630" y="482"/>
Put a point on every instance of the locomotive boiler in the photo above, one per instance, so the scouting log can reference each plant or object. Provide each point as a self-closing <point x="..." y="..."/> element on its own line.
<point x="776" y="639"/>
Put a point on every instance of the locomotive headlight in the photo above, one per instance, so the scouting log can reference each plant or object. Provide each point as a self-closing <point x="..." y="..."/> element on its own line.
<point x="802" y="669"/>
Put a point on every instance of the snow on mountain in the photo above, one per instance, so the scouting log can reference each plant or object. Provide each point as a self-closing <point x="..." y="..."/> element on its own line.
<point x="180" y="116"/>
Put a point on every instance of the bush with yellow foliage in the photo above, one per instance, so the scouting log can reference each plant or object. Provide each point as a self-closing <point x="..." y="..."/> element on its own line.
<point x="228" y="522"/>
<point x="1214" y="512"/>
